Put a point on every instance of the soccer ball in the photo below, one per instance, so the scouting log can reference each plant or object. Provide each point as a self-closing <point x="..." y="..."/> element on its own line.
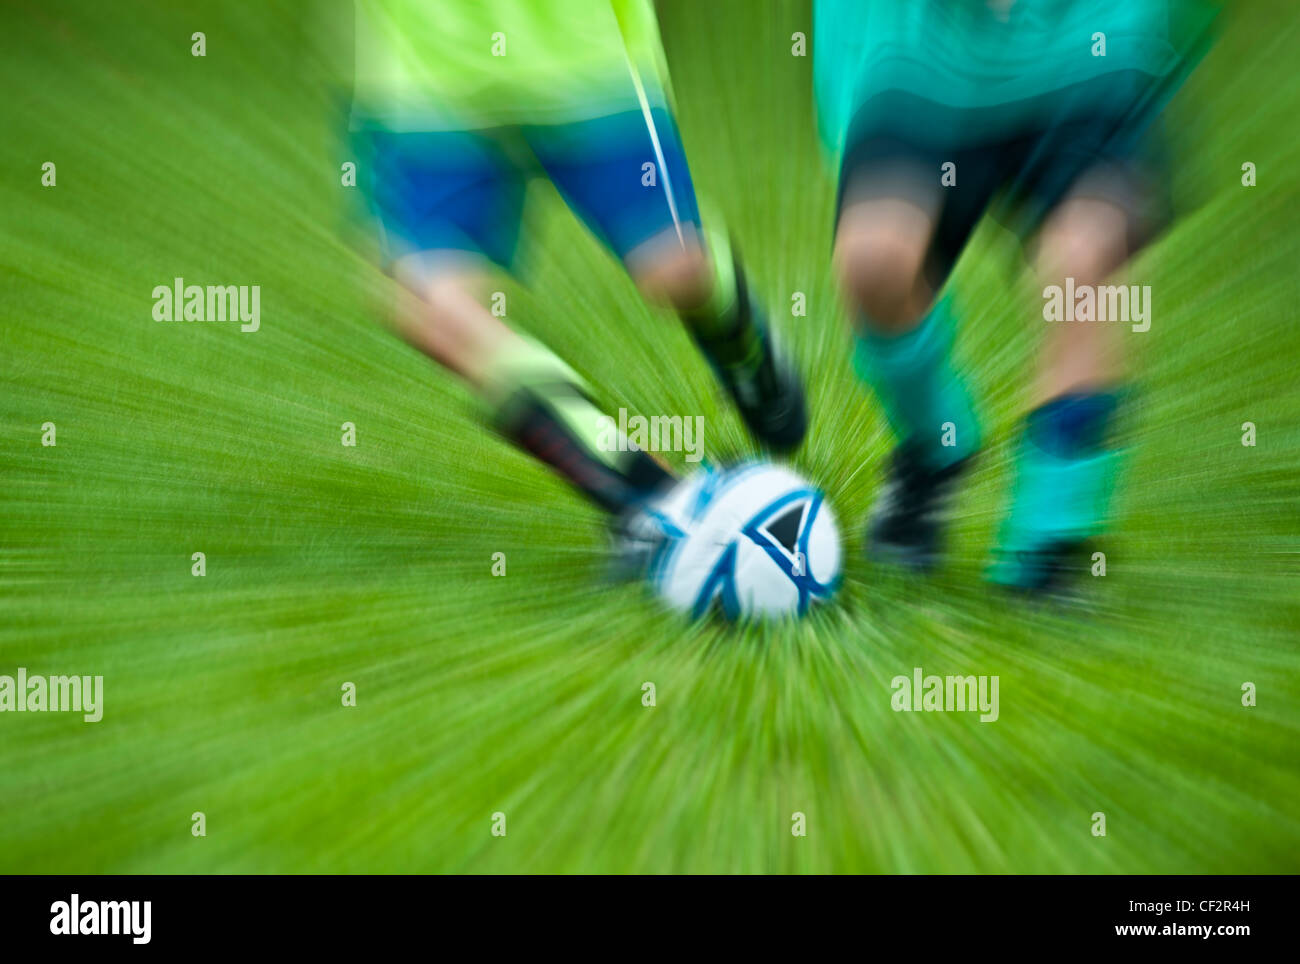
<point x="756" y="539"/>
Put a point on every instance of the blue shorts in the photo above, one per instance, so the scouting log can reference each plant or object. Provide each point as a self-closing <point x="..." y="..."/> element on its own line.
<point x="464" y="190"/>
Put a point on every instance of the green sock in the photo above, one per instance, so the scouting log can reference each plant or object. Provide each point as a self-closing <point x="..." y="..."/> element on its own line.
<point x="542" y="405"/>
<point x="528" y="364"/>
<point x="926" y="402"/>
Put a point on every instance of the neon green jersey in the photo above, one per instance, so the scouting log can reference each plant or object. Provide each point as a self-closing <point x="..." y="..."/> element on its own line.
<point x="464" y="64"/>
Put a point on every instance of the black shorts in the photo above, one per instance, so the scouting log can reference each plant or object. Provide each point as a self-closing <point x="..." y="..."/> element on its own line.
<point x="899" y="146"/>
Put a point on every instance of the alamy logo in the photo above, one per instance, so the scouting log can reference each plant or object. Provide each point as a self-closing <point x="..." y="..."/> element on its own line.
<point x="658" y="433"/>
<point x="1124" y="303"/>
<point x="181" y="302"/>
<point x="53" y="694"/>
<point x="131" y="917"/>
<point x="946" y="694"/>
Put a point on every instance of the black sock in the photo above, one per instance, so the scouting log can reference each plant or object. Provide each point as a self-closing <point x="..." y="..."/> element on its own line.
<point x="731" y="333"/>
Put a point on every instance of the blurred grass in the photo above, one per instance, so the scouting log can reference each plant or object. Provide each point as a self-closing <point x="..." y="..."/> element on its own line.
<point x="523" y="694"/>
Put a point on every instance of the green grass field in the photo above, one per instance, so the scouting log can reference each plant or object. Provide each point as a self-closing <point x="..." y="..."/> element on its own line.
<point x="476" y="694"/>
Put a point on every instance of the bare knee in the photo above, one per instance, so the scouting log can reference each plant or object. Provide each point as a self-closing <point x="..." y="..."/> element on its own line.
<point x="1084" y="239"/>
<point x="879" y="255"/>
<point x="672" y="271"/>
<point x="440" y="311"/>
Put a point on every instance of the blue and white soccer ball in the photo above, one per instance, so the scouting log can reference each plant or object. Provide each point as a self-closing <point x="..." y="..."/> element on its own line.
<point x="755" y="539"/>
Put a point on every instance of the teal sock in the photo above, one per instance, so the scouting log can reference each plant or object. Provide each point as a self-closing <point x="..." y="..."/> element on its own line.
<point x="1057" y="498"/>
<point x="1065" y="472"/>
<point x="1064" y="481"/>
<point x="926" y="402"/>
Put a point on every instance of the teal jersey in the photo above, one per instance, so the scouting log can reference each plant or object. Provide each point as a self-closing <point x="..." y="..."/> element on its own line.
<point x="1000" y="54"/>
<point x="426" y="65"/>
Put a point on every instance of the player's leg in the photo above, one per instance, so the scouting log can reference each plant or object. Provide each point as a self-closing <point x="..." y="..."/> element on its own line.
<point x="1085" y="238"/>
<point x="1065" y="464"/>
<point x="532" y="397"/>
<point x="706" y="285"/>
<point x="626" y="176"/>
<point x="897" y="237"/>
<point x="450" y="206"/>
<point x="1096" y="170"/>
<point x="1088" y="187"/>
